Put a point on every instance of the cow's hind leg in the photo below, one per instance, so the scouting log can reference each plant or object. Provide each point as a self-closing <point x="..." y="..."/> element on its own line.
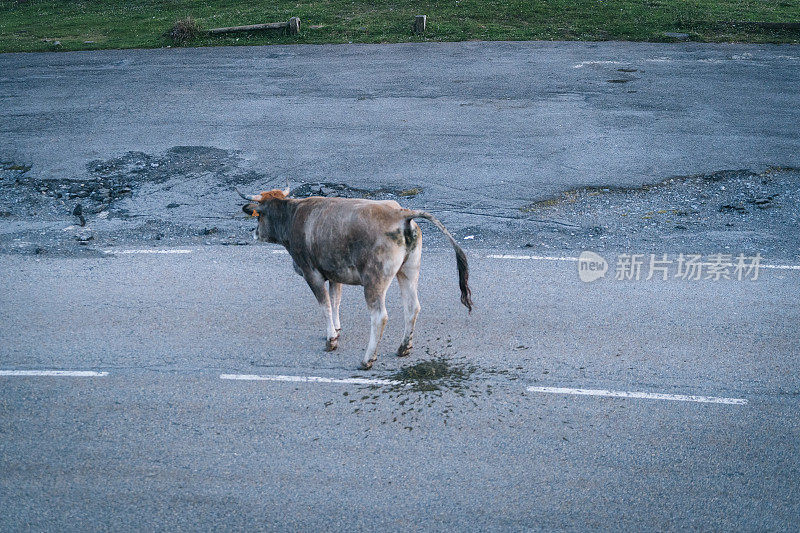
<point x="375" y="294"/>
<point x="336" y="300"/>
<point x="317" y="284"/>
<point x="407" y="278"/>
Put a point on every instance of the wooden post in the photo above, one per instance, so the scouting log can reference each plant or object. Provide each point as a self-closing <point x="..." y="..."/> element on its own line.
<point x="419" y="24"/>
<point x="294" y="26"/>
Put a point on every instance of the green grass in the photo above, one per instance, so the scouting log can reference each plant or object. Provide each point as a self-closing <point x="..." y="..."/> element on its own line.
<point x="36" y="25"/>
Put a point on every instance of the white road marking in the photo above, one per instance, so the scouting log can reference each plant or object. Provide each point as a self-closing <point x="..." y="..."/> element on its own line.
<point x="67" y="373"/>
<point x="592" y="63"/>
<point x="534" y="257"/>
<point x="633" y="394"/>
<point x="147" y="251"/>
<point x="554" y="390"/>
<point x="308" y="379"/>
<point x="490" y="256"/>
<point x="574" y="259"/>
<point x="782" y="267"/>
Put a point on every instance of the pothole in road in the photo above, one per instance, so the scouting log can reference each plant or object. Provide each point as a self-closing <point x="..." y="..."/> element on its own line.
<point x="172" y="196"/>
<point x="342" y="190"/>
<point x="736" y="211"/>
<point x="109" y="181"/>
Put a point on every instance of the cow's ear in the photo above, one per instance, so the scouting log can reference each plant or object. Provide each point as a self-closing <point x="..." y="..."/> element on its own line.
<point x="251" y="209"/>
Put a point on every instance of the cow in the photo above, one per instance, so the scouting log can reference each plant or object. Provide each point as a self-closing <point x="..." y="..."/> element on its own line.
<point x="352" y="241"/>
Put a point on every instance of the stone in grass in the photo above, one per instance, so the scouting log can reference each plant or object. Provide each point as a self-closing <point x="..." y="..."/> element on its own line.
<point x="677" y="35"/>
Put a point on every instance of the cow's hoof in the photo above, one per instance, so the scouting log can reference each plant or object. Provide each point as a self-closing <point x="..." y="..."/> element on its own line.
<point x="368" y="364"/>
<point x="404" y="351"/>
<point x="331" y="344"/>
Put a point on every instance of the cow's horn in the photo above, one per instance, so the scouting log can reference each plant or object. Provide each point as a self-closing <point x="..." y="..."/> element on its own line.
<point x="287" y="190"/>
<point x="245" y="196"/>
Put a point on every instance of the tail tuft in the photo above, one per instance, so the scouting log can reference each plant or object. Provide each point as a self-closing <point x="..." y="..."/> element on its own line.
<point x="463" y="279"/>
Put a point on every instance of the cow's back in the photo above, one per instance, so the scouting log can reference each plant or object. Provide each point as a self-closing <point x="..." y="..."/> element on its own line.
<point x="340" y="236"/>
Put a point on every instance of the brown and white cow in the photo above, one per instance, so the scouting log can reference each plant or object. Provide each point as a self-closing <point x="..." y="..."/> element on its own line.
<point x="354" y="242"/>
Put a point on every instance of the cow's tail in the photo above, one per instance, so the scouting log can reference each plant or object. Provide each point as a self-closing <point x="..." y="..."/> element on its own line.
<point x="461" y="257"/>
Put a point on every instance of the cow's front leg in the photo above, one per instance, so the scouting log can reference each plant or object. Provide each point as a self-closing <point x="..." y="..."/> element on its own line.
<point x="376" y="303"/>
<point x="317" y="284"/>
<point x="336" y="300"/>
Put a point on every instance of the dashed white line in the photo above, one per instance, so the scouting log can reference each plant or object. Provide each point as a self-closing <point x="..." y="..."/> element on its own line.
<point x="552" y="390"/>
<point x="636" y="394"/>
<point x="592" y="63"/>
<point x="533" y="257"/>
<point x="369" y="381"/>
<point x="782" y="267"/>
<point x="575" y="259"/>
<point x="54" y="373"/>
<point x="490" y="256"/>
<point x="148" y="251"/>
<point x="308" y="379"/>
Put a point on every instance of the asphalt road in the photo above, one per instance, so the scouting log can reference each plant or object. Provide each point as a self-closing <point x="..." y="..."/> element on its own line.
<point x="151" y="143"/>
<point x="490" y="122"/>
<point x="163" y="443"/>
